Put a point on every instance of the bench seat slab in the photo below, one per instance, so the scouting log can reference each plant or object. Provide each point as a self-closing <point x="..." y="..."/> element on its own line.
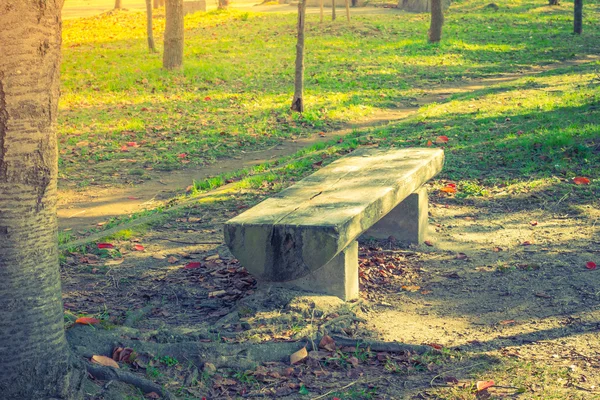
<point x="302" y="228"/>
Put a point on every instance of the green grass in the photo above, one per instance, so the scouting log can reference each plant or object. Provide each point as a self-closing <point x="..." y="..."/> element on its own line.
<point x="235" y="90"/>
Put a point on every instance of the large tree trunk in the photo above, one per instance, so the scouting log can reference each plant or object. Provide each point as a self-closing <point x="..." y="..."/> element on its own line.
<point x="298" y="102"/>
<point x="34" y="356"/>
<point x="173" y="53"/>
<point x="437" y="21"/>
<point x="577" y="16"/>
<point x="149" y="26"/>
<point x="117" y="4"/>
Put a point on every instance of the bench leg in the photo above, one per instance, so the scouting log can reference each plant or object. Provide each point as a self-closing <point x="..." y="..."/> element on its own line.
<point x="339" y="277"/>
<point x="407" y="222"/>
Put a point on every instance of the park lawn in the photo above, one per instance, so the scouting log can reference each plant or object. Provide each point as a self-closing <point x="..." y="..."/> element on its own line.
<point x="122" y="116"/>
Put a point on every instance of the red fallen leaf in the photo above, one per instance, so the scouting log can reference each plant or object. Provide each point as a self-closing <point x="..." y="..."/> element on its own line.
<point x="105" y="246"/>
<point x="590" y="265"/>
<point x="428" y="243"/>
<point x="138" y="247"/>
<point x="322" y="134"/>
<point x="448" y="189"/>
<point x="526" y="243"/>
<point x="132" y="144"/>
<point x="207" y="98"/>
<point x="87" y="321"/>
<point x="340" y="140"/>
<point x="435" y="346"/>
<point x="482" y="385"/>
<point x="533" y="223"/>
<point x="132" y="198"/>
<point x="182" y="155"/>
<point x="429" y="143"/>
<point x="124" y="148"/>
<point x="441" y="139"/>
<point x="580" y="180"/>
<point x="192" y="265"/>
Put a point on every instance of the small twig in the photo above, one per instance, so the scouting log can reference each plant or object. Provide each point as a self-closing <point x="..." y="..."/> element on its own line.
<point x="454" y="370"/>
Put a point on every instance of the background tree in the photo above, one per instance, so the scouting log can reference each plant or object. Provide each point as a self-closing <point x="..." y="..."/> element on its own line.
<point x="117" y="4"/>
<point x="34" y="356"/>
<point x="298" y="102"/>
<point x="437" y="21"/>
<point x="553" y="2"/>
<point x="156" y="3"/>
<point x="223" y="4"/>
<point x="173" y="53"/>
<point x="577" y="16"/>
<point x="149" y="26"/>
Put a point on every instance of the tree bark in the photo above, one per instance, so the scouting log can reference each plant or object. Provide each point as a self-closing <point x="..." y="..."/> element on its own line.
<point x="35" y="361"/>
<point x="437" y="21"/>
<point x="577" y="16"/>
<point x="347" y="9"/>
<point x="333" y="10"/>
<point x="161" y="3"/>
<point x="156" y="3"/>
<point x="223" y="5"/>
<point x="553" y="2"/>
<point x="117" y="4"/>
<point x="298" y="101"/>
<point x="173" y="53"/>
<point x="149" y="26"/>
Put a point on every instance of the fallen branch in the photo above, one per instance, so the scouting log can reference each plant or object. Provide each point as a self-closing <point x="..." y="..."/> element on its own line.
<point x="112" y="374"/>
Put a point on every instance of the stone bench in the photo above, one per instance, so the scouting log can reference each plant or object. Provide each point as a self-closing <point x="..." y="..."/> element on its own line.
<point x="305" y="236"/>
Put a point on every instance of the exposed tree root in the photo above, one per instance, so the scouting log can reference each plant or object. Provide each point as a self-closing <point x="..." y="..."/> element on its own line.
<point x="112" y="374"/>
<point x="381" y="346"/>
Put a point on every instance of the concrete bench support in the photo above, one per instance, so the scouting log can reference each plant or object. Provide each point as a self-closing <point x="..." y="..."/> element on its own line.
<point x="305" y="236"/>
<point x="407" y="222"/>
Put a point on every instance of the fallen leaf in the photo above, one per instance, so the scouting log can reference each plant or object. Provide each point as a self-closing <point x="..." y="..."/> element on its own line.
<point x="212" y="258"/>
<point x="482" y="385"/>
<point x="533" y="223"/>
<point x="436" y="346"/>
<point x="182" y="155"/>
<point x="132" y="144"/>
<point x="106" y="246"/>
<point x="106" y="361"/>
<point x="461" y="256"/>
<point x="132" y="198"/>
<point x="172" y="260"/>
<point x="207" y="98"/>
<point x="116" y="261"/>
<point x="327" y="343"/>
<point x="429" y="143"/>
<point x="124" y="148"/>
<point x="448" y="189"/>
<point x="410" y="288"/>
<point x="217" y="293"/>
<point x="441" y="139"/>
<point x="580" y="180"/>
<point x="298" y="356"/>
<point x="590" y="265"/>
<point x="526" y="243"/>
<point x="507" y="322"/>
<point x="497" y="249"/>
<point x="426" y="292"/>
<point x="428" y="243"/>
<point x="138" y="247"/>
<point x="87" y="321"/>
<point x="354" y="361"/>
<point x="322" y="134"/>
<point x="192" y="265"/>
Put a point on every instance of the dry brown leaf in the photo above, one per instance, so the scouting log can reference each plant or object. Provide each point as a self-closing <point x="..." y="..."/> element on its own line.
<point x="482" y="385"/>
<point x="106" y="361"/>
<point x="327" y="343"/>
<point x="298" y="356"/>
<point x="411" y="288"/>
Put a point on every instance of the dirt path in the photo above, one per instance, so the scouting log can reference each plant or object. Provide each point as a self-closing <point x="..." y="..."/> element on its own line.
<point x="82" y="210"/>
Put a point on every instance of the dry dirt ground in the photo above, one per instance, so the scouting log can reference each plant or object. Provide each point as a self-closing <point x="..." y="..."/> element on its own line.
<point x="499" y="292"/>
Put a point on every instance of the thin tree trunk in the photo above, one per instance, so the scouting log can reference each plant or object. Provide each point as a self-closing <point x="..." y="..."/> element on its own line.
<point x="437" y="21"/>
<point x="223" y="4"/>
<point x="156" y="3"/>
<point x="348" y="9"/>
<point x="321" y="4"/>
<point x="35" y="361"/>
<point x="149" y="26"/>
<point x="173" y="53"/>
<point x="577" y="16"/>
<point x="333" y="10"/>
<point x="117" y="4"/>
<point x="553" y="2"/>
<point x="298" y="102"/>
